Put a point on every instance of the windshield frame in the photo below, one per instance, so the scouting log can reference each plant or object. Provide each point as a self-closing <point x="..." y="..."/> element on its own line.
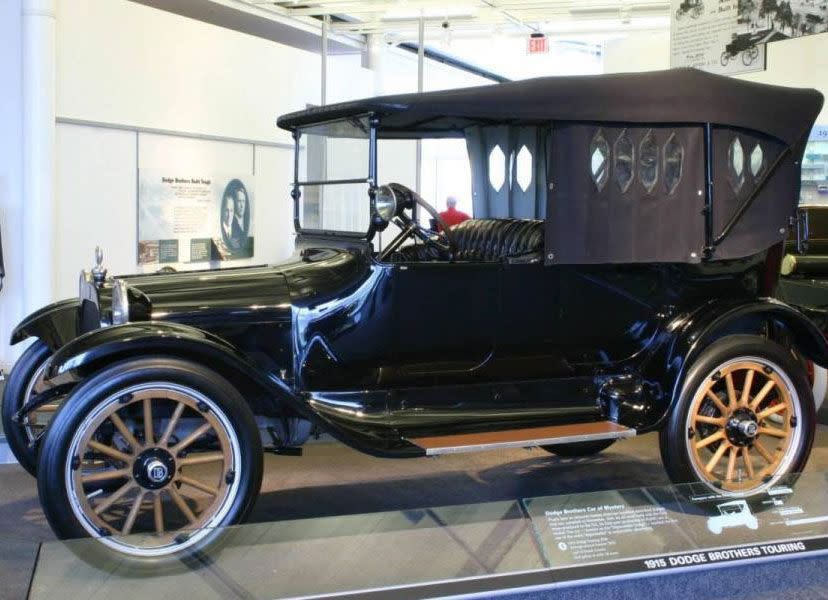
<point x="371" y="179"/>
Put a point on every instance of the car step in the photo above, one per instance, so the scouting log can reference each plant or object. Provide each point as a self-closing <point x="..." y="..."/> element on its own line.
<point x="521" y="438"/>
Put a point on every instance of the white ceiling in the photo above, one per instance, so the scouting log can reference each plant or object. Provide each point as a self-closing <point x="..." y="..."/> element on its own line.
<point x="398" y="20"/>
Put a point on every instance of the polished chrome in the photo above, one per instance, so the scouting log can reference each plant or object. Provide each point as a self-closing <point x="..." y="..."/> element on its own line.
<point x="614" y="432"/>
<point x="748" y="428"/>
<point x="120" y="302"/>
<point x="87" y="288"/>
<point x="157" y="471"/>
<point x="98" y="271"/>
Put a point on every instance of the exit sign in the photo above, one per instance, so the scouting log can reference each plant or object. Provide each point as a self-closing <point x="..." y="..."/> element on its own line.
<point x="538" y="44"/>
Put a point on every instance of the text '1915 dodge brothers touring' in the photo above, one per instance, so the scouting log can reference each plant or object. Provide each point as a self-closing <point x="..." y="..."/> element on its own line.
<point x="616" y="280"/>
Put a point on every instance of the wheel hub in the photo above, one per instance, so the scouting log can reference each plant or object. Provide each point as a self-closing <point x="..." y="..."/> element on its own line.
<point x="742" y="427"/>
<point x="154" y="468"/>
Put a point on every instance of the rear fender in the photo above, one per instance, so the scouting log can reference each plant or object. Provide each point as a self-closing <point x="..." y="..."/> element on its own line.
<point x="688" y="335"/>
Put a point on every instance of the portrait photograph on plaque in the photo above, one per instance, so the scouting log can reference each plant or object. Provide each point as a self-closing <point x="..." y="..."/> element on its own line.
<point x="191" y="219"/>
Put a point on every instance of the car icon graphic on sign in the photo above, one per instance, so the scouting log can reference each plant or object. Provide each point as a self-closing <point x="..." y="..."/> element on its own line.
<point x="732" y="514"/>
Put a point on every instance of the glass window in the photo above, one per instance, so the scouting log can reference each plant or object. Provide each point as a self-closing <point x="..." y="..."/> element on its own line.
<point x="624" y="156"/>
<point x="648" y="161"/>
<point x="331" y="154"/>
<point x="497" y="168"/>
<point x="335" y="151"/>
<point x="599" y="154"/>
<point x="757" y="160"/>
<point x="523" y="169"/>
<point x="736" y="164"/>
<point x="341" y="207"/>
<point x="673" y="163"/>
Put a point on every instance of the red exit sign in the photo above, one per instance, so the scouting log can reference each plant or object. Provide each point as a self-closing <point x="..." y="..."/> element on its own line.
<point x="538" y="44"/>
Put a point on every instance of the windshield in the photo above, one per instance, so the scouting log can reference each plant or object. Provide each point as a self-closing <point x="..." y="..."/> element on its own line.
<point x="333" y="176"/>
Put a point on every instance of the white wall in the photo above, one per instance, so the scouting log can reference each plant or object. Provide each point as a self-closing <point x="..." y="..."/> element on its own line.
<point x="645" y="51"/>
<point x="95" y="177"/>
<point x="11" y="166"/>
<point x="123" y="62"/>
<point x="799" y="62"/>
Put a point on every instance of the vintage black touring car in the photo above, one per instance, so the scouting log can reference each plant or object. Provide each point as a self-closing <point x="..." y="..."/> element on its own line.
<point x="616" y="280"/>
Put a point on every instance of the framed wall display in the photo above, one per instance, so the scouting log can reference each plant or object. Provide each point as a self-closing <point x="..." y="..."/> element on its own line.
<point x="787" y="18"/>
<point x="184" y="218"/>
<point x="717" y="36"/>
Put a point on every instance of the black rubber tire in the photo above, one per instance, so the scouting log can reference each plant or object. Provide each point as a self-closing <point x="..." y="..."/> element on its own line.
<point x="13" y="398"/>
<point x="673" y="435"/>
<point x="579" y="449"/>
<point x="51" y="483"/>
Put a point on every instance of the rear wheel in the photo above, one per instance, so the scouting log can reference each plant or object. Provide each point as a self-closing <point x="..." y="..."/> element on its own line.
<point x="745" y="419"/>
<point x="151" y="457"/>
<point x="25" y="382"/>
<point x="579" y="449"/>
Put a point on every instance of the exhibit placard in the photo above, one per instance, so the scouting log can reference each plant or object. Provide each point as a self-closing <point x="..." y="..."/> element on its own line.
<point x="715" y="36"/>
<point x="650" y="529"/>
<point x="184" y="218"/>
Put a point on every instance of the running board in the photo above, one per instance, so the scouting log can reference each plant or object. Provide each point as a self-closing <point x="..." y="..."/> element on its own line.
<point x="521" y="438"/>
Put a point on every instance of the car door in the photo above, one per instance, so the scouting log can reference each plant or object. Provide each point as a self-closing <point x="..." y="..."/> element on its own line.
<point x="529" y="343"/>
<point x="446" y="317"/>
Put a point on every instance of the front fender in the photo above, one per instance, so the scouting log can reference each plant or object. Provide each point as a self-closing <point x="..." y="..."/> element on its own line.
<point x="91" y="351"/>
<point x="688" y="335"/>
<point x="56" y="324"/>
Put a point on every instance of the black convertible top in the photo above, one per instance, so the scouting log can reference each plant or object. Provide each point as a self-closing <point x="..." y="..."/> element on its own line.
<point x="674" y="96"/>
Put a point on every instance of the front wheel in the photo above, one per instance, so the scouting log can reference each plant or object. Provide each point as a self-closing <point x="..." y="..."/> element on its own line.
<point x="744" y="421"/>
<point x="25" y="382"/>
<point x="151" y="457"/>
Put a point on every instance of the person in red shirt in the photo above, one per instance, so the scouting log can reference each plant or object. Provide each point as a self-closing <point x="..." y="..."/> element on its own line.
<point x="451" y="216"/>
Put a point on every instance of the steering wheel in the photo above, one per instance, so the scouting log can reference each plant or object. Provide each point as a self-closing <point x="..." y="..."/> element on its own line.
<point x="445" y="241"/>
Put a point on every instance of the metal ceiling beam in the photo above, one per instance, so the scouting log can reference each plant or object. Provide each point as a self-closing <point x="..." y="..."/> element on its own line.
<point x="244" y="18"/>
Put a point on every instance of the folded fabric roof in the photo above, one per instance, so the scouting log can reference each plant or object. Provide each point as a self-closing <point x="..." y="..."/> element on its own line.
<point x="674" y="96"/>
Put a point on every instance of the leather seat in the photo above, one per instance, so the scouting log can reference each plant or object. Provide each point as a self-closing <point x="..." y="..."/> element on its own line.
<point x="485" y="240"/>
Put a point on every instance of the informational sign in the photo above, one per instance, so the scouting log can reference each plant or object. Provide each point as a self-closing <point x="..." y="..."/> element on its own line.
<point x="819" y="134"/>
<point x="652" y="529"/>
<point x="193" y="218"/>
<point x="719" y="36"/>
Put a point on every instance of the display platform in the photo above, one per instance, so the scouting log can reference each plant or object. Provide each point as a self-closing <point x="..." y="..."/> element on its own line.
<point x="514" y="547"/>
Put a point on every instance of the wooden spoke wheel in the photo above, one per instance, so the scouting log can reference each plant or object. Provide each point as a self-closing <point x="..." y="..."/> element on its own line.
<point x="34" y="422"/>
<point x="153" y="468"/>
<point x="25" y="381"/>
<point x="742" y="429"/>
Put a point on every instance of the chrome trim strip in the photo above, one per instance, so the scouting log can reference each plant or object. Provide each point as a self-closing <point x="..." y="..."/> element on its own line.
<point x="569" y="439"/>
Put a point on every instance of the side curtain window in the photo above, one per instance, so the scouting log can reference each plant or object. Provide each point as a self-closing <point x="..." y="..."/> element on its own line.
<point x="508" y="166"/>
<point x="625" y="193"/>
<point x="741" y="160"/>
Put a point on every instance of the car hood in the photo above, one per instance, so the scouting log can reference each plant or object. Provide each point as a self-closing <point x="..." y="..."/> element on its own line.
<point x="247" y="294"/>
<point x="240" y="294"/>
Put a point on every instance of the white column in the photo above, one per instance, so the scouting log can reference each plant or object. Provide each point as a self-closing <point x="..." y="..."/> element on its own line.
<point x="39" y="199"/>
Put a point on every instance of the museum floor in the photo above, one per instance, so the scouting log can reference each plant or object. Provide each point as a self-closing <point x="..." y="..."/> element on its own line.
<point x="331" y="479"/>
